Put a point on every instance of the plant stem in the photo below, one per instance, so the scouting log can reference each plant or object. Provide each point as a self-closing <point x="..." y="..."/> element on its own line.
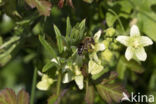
<point x="33" y="86"/>
<point x="59" y="83"/>
<point x="122" y="27"/>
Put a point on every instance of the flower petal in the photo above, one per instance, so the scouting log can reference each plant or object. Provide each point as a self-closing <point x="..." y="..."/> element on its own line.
<point x="65" y="68"/>
<point x="94" y="57"/>
<point x="43" y="85"/>
<point x="141" y="54"/>
<point x="129" y="53"/>
<point x="99" y="47"/>
<point x="79" y="81"/>
<point x="67" y="77"/>
<point x="97" y="35"/>
<point x="54" y="60"/>
<point x="48" y="79"/>
<point x="90" y="66"/>
<point x="77" y="70"/>
<point x="94" y="68"/>
<point x="123" y="40"/>
<point x="134" y="31"/>
<point x="146" y="41"/>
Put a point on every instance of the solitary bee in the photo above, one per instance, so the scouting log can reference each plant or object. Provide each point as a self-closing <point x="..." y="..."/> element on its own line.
<point x="85" y="45"/>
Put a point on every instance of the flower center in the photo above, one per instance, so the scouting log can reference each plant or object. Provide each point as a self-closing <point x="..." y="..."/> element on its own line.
<point x="136" y="43"/>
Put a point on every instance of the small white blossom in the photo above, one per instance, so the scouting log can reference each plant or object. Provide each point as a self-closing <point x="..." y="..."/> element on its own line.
<point x="94" y="65"/>
<point x="94" y="68"/>
<point x="73" y="73"/>
<point x="79" y="81"/>
<point x="45" y="82"/>
<point x="56" y="61"/>
<point x="135" y="44"/>
<point x="99" y="46"/>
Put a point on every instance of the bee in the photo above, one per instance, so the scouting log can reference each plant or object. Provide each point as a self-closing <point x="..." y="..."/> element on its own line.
<point x="85" y="45"/>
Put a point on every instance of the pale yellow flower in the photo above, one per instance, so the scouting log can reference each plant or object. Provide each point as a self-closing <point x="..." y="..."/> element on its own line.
<point x="135" y="44"/>
<point x="45" y="82"/>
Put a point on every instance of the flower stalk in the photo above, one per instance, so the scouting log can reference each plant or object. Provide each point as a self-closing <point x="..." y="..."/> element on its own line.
<point x="59" y="83"/>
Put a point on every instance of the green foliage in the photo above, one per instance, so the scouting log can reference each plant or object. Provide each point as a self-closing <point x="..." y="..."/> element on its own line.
<point x="110" y="19"/>
<point x="123" y="64"/>
<point x="47" y="46"/>
<point x="47" y="66"/>
<point x="59" y="39"/>
<point x="68" y="29"/>
<point x="110" y="92"/>
<point x="77" y="32"/>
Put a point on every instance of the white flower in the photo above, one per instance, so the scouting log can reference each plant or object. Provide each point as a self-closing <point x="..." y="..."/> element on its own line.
<point x="74" y="73"/>
<point x="79" y="81"/>
<point x="99" y="46"/>
<point x="135" y="44"/>
<point x="45" y="82"/>
<point x="56" y="60"/>
<point x="68" y="76"/>
<point x="94" y="68"/>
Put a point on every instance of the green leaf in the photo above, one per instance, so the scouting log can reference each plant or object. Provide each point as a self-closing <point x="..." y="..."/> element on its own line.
<point x="132" y="65"/>
<point x="152" y="82"/>
<point x="7" y="52"/>
<point x="47" y="46"/>
<point x="7" y="43"/>
<point x="82" y="28"/>
<point x="111" y="92"/>
<point x="74" y="34"/>
<point x="148" y="30"/>
<point x="110" y="19"/>
<point x="125" y="6"/>
<point x="59" y="39"/>
<point x="121" y="69"/>
<point x="77" y="32"/>
<point x="48" y="66"/>
<point x="68" y="28"/>
<point x="5" y="60"/>
<point x="23" y="97"/>
<point x="7" y="94"/>
<point x="89" y="97"/>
